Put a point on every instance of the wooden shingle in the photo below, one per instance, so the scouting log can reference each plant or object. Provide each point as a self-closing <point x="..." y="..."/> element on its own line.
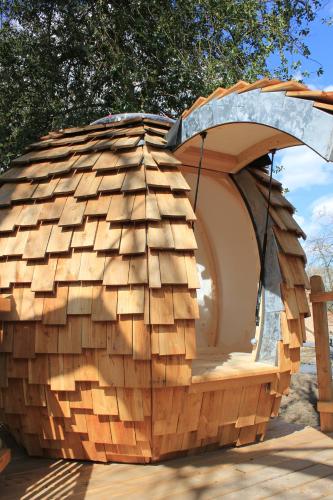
<point x="97" y="346"/>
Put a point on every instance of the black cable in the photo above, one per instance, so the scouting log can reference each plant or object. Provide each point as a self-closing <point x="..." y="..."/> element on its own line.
<point x="264" y="245"/>
<point x="203" y="136"/>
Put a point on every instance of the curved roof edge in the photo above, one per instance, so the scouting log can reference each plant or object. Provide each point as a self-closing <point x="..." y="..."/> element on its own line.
<point x="125" y="116"/>
<point x="304" y="118"/>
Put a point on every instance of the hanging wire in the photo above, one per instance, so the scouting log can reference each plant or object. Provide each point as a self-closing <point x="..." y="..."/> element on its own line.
<point x="203" y="136"/>
<point x="264" y="245"/>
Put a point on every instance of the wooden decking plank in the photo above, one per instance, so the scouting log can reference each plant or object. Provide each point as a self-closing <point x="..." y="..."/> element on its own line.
<point x="212" y="474"/>
<point x="116" y="480"/>
<point x="318" y="488"/>
<point x="218" y="479"/>
<point x="292" y="473"/>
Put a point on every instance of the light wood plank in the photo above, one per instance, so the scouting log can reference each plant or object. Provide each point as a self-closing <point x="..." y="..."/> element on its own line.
<point x="68" y="267"/>
<point x="45" y="190"/>
<point x="88" y="185"/>
<point x="69" y="336"/>
<point x="46" y="339"/>
<point x="289" y="243"/>
<point x="154" y="269"/>
<point x="29" y="215"/>
<point x="73" y="212"/>
<point x="61" y="372"/>
<point x="160" y="235"/>
<point x="139" y="208"/>
<point x="31" y="306"/>
<point x="185" y="303"/>
<point x="37" y="242"/>
<point x="135" y="180"/>
<point x="15" y="245"/>
<point x="107" y="237"/>
<point x="172" y="268"/>
<point x="53" y="209"/>
<point x="60" y="240"/>
<point x="130" y="158"/>
<point x="67" y="185"/>
<point x="120" y="208"/>
<point x="106" y="161"/>
<point x="133" y="239"/>
<point x="141" y="339"/>
<point x="324" y="371"/>
<point x="290" y="302"/>
<point x="55" y="308"/>
<point x="156" y="178"/>
<point x="44" y="154"/>
<point x="8" y="217"/>
<point x="126" y="142"/>
<point x="98" y="206"/>
<point x="176" y="180"/>
<point x="111" y="182"/>
<point x="44" y="275"/>
<point x="161" y="306"/>
<point x="191" y="271"/>
<point x="164" y="158"/>
<point x="171" y="340"/>
<point x="131" y="300"/>
<point x="85" y="161"/>
<point x="84" y="237"/>
<point x="183" y="236"/>
<point x="104" y="304"/>
<point x="321" y="297"/>
<point x="120" y="336"/>
<point x="175" y="206"/>
<point x="111" y="370"/>
<point x="93" y="334"/>
<point x="302" y="301"/>
<point x="104" y="401"/>
<point x="79" y="299"/>
<point x="116" y="270"/>
<point x="91" y="267"/>
<point x="138" y="272"/>
<point x="152" y="211"/>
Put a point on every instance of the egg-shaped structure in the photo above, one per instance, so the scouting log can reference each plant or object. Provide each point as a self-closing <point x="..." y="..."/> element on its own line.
<point x="131" y="333"/>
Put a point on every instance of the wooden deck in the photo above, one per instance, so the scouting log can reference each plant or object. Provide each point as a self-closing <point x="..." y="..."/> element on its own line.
<point x="293" y="462"/>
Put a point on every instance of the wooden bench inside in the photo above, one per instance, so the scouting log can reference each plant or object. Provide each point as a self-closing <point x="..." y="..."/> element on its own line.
<point x="228" y="366"/>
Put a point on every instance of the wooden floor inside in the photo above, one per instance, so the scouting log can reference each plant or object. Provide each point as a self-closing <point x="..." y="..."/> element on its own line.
<point x="293" y="462"/>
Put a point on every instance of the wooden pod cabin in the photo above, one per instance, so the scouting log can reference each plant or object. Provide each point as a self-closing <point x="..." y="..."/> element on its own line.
<point x="131" y="332"/>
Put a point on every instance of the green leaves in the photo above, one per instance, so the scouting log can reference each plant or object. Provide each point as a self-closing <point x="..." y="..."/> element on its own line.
<point x="67" y="62"/>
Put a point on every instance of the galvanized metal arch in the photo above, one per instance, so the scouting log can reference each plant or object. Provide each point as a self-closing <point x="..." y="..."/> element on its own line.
<point x="270" y="330"/>
<point x="294" y="116"/>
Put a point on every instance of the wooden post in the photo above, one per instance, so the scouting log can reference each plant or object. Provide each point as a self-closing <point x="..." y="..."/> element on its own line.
<point x="324" y="370"/>
<point x="5" y="454"/>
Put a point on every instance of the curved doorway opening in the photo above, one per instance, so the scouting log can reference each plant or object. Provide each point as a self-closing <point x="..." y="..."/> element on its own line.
<point x="228" y="265"/>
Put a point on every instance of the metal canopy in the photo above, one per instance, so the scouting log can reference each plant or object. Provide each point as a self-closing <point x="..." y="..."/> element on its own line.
<point x="294" y="116"/>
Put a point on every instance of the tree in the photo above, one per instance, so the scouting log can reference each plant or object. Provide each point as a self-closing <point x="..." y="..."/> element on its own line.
<point x="320" y="251"/>
<point x="67" y="62"/>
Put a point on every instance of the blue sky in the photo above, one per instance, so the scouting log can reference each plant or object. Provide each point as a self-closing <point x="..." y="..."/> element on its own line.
<point x="307" y="176"/>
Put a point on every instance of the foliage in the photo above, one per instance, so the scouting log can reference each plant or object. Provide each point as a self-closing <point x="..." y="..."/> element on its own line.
<point x="66" y="62"/>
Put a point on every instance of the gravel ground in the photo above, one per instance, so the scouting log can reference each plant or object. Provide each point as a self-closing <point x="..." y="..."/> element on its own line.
<point x="299" y="406"/>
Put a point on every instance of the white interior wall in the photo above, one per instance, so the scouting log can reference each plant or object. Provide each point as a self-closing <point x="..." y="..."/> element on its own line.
<point x="228" y="264"/>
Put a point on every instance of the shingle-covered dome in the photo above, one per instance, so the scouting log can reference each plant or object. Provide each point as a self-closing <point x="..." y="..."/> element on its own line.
<point x="98" y="261"/>
<point x="96" y="244"/>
